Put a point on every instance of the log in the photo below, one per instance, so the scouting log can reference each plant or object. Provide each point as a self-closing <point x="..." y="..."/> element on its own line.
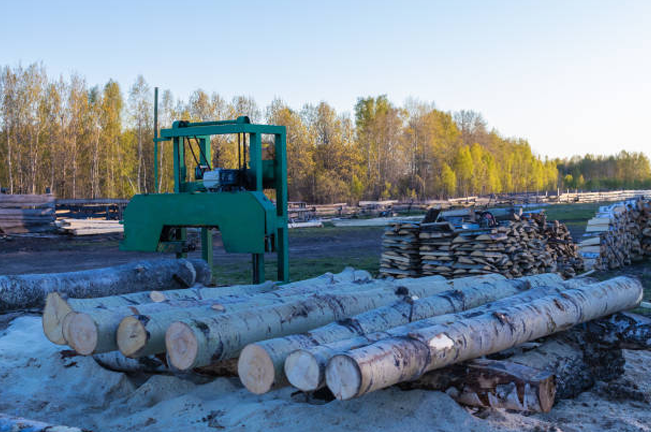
<point x="31" y="290"/>
<point x="199" y="341"/>
<point x="120" y="282"/>
<point x="306" y="368"/>
<point x="410" y="355"/>
<point x="262" y="363"/>
<point x="493" y="384"/>
<point x="56" y="307"/>
<point x="18" y="424"/>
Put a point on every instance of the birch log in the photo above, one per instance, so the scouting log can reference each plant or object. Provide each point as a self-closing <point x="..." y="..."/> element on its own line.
<point x="410" y="355"/>
<point x="26" y="291"/>
<point x="17" y="424"/>
<point x="306" y="368"/>
<point x="198" y="342"/>
<point x="57" y="305"/>
<point x="261" y="364"/>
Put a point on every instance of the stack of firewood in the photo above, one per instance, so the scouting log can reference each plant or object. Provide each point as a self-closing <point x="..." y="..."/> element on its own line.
<point x="529" y="245"/>
<point x="400" y="257"/>
<point x="618" y="235"/>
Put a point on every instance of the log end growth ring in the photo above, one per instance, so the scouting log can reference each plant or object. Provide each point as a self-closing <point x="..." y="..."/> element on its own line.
<point x="82" y="334"/>
<point x="182" y="345"/>
<point x="302" y="371"/>
<point x="343" y="377"/>
<point x="54" y="312"/>
<point x="256" y="369"/>
<point x="131" y="336"/>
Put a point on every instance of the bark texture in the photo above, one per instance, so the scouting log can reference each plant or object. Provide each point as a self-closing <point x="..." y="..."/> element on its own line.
<point x="28" y="291"/>
<point x="200" y="341"/>
<point x="263" y="366"/>
<point x="409" y="356"/>
<point x="306" y="368"/>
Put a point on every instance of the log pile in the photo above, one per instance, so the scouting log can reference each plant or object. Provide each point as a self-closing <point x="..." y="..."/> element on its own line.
<point x="354" y="335"/>
<point x="618" y="235"/>
<point x="20" y="214"/>
<point x="400" y="250"/>
<point x="525" y="246"/>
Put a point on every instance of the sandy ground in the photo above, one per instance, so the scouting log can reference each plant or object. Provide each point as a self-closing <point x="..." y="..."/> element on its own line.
<point x="42" y="381"/>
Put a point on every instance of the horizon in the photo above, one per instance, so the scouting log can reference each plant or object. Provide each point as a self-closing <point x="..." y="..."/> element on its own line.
<point x="593" y="62"/>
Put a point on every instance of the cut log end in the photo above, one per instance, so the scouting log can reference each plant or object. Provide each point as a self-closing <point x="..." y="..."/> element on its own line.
<point x="182" y="346"/>
<point x="56" y="309"/>
<point x="256" y="369"/>
<point x="131" y="336"/>
<point x="82" y="333"/>
<point x="157" y="296"/>
<point x="343" y="377"/>
<point x="302" y="371"/>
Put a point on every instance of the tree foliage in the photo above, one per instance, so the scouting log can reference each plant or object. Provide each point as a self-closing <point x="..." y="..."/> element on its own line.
<point x="79" y="141"/>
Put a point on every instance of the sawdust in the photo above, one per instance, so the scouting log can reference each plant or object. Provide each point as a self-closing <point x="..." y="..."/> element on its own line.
<point x="39" y="380"/>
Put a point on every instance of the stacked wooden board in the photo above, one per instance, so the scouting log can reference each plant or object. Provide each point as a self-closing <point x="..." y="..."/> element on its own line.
<point x="618" y="235"/>
<point x="360" y="334"/>
<point x="526" y="246"/>
<point x="400" y="256"/>
<point x="21" y="214"/>
<point x="80" y="227"/>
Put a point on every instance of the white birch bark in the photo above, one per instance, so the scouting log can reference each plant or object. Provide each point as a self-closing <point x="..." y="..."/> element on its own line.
<point x="30" y="290"/>
<point x="262" y="363"/>
<point x="305" y="368"/>
<point x="410" y="355"/>
<point x="202" y="340"/>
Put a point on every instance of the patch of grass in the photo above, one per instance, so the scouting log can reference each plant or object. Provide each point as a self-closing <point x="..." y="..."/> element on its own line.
<point x="329" y="230"/>
<point x="299" y="269"/>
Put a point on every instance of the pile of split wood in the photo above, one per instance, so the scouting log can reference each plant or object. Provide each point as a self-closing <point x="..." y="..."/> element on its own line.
<point x="400" y="255"/>
<point x="21" y="214"/>
<point x="355" y="335"/>
<point x="80" y="227"/>
<point x="618" y="235"/>
<point x="526" y="246"/>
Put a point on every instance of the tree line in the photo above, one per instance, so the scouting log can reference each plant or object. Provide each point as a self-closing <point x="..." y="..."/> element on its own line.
<point x="82" y="141"/>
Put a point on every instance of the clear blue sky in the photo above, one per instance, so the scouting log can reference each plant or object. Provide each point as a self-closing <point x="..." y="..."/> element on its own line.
<point x="571" y="76"/>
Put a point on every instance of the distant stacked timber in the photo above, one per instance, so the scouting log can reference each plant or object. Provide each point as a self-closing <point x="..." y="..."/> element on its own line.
<point x="400" y="250"/>
<point x="618" y="235"/>
<point x="80" y="227"/>
<point x="21" y="214"/>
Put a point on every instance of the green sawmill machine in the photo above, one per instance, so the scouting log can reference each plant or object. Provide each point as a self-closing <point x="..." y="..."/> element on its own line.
<point x="230" y="200"/>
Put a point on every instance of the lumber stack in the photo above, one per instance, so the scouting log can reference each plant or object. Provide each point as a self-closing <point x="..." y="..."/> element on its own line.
<point x="618" y="235"/>
<point x="20" y="214"/>
<point x="81" y="227"/>
<point x="400" y="250"/>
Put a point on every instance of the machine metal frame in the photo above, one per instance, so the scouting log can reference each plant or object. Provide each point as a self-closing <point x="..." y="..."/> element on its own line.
<point x="248" y="221"/>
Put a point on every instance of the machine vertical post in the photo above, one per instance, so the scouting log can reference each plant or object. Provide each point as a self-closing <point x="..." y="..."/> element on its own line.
<point x="281" y="206"/>
<point x="206" y="234"/>
<point x="255" y="160"/>
<point x="156" y="140"/>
